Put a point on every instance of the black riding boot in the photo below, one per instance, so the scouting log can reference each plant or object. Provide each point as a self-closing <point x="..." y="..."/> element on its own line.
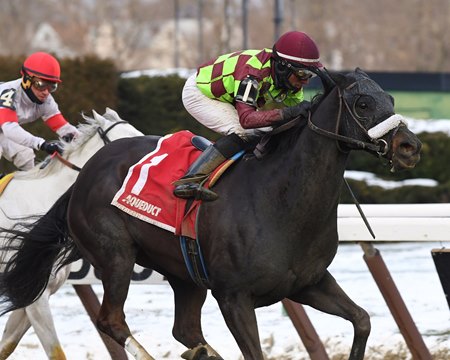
<point x="188" y="187"/>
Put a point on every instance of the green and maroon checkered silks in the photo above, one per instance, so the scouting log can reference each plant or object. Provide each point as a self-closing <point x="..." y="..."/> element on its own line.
<point x="220" y="78"/>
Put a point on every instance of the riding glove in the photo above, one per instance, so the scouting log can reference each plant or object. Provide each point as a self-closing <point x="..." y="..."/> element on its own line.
<point x="298" y="110"/>
<point x="51" y="146"/>
<point x="68" y="137"/>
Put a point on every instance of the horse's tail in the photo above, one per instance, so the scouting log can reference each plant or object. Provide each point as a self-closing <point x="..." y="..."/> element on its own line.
<point x="39" y="247"/>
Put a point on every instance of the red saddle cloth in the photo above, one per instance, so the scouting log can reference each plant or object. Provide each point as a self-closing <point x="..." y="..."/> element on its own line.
<point x="147" y="191"/>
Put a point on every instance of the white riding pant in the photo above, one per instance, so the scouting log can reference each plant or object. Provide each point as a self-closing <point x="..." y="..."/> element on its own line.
<point x="21" y="156"/>
<point x="216" y="115"/>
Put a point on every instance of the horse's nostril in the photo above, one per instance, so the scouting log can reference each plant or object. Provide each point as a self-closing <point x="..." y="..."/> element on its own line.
<point x="408" y="148"/>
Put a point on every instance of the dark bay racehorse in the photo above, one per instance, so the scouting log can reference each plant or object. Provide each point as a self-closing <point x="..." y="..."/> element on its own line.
<point x="271" y="234"/>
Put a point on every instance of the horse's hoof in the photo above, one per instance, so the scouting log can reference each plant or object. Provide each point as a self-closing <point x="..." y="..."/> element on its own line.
<point x="199" y="353"/>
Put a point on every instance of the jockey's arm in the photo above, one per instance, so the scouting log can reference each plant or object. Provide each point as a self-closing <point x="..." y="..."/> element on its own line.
<point x="245" y="103"/>
<point x="61" y="126"/>
<point x="14" y="132"/>
<point x="251" y="118"/>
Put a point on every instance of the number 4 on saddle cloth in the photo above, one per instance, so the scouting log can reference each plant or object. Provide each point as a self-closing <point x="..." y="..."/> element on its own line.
<point x="147" y="191"/>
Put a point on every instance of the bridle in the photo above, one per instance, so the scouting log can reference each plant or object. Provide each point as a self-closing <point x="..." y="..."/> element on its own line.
<point x="103" y="135"/>
<point x="377" y="145"/>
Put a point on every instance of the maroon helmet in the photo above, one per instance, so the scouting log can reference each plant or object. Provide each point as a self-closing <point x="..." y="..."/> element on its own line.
<point x="294" y="53"/>
<point x="298" y="49"/>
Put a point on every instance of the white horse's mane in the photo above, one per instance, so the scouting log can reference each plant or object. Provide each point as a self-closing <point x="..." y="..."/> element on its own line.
<point x="87" y="131"/>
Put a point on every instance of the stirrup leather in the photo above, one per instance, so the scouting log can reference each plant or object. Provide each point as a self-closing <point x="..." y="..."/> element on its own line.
<point x="194" y="191"/>
<point x="197" y="178"/>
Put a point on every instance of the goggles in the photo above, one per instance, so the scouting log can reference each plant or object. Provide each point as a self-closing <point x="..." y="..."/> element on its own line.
<point x="301" y="74"/>
<point x="42" y="85"/>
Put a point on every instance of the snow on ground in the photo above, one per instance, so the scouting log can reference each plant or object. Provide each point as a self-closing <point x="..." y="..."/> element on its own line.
<point x="432" y="125"/>
<point x="149" y="311"/>
<point x="372" y="180"/>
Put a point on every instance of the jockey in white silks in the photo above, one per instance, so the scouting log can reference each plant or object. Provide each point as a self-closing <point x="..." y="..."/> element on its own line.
<point x="25" y="100"/>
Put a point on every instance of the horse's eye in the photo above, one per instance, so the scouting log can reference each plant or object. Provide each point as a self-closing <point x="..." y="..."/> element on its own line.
<point x="363" y="105"/>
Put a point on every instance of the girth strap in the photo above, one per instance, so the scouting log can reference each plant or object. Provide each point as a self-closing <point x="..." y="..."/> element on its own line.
<point x="193" y="259"/>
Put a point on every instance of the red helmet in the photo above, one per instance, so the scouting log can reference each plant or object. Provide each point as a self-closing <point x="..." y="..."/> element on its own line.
<point x="297" y="48"/>
<point x="42" y="65"/>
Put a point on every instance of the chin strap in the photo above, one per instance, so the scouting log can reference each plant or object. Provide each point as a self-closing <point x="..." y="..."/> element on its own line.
<point x="31" y="96"/>
<point x="282" y="74"/>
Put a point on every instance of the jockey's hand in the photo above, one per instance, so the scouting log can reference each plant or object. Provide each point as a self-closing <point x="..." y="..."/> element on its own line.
<point x="295" y="111"/>
<point x="51" y="146"/>
<point x="68" y="137"/>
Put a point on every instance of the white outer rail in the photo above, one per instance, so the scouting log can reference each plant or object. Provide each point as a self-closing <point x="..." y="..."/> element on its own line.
<point x="395" y="222"/>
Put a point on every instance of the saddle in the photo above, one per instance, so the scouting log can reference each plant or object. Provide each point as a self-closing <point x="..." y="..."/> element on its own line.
<point x="147" y="193"/>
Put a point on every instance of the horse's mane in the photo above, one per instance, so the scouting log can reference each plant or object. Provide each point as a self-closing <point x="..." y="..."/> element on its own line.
<point x="285" y="141"/>
<point x="87" y="130"/>
<point x="330" y="79"/>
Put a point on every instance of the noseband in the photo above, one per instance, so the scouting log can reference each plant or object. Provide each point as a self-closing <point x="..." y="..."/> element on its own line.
<point x="379" y="146"/>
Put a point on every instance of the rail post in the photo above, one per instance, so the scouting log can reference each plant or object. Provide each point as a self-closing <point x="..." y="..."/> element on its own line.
<point x="395" y="303"/>
<point x="92" y="305"/>
<point x="306" y="330"/>
<point x="441" y="258"/>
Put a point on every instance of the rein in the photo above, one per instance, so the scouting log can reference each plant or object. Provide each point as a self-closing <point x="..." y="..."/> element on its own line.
<point x="379" y="146"/>
<point x="261" y="146"/>
<point x="103" y="135"/>
<point x="65" y="162"/>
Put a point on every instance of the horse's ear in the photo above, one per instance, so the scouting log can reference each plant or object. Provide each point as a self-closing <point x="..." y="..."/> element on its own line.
<point x="337" y="77"/>
<point x="327" y="80"/>
<point x="359" y="71"/>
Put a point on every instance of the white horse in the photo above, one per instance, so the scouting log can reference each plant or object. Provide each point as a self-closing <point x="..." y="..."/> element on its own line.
<point x="34" y="192"/>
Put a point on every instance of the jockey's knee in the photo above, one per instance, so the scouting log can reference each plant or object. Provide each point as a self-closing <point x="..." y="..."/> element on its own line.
<point x="24" y="159"/>
<point x="230" y="145"/>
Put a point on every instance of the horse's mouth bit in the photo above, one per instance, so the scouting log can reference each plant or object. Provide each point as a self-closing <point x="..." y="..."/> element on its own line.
<point x="384" y="147"/>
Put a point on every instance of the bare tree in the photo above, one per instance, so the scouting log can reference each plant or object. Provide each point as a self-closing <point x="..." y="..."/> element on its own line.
<point x="407" y="35"/>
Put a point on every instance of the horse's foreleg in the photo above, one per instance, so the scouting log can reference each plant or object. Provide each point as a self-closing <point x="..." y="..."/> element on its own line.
<point x="116" y="277"/>
<point x="239" y="314"/>
<point x="189" y="300"/>
<point x="111" y="318"/>
<point x="15" y="328"/>
<point x="328" y="296"/>
<point x="40" y="317"/>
